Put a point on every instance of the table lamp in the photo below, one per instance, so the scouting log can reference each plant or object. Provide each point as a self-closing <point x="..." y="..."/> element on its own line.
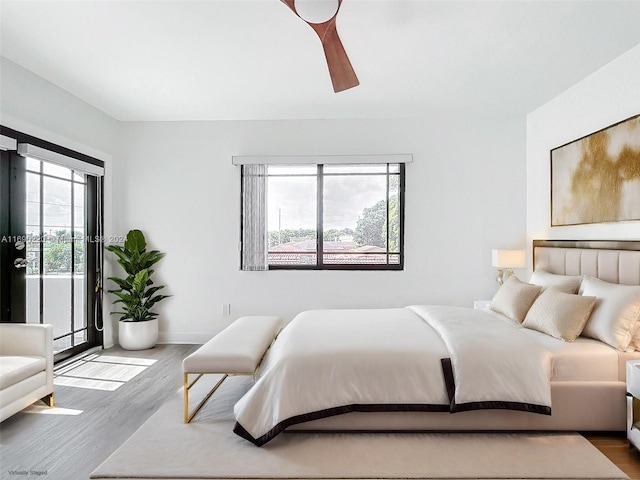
<point x="507" y="259"/>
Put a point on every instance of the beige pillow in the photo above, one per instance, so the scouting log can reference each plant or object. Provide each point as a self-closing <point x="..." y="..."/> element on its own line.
<point x="616" y="313"/>
<point x="634" y="344"/>
<point x="559" y="314"/>
<point x="564" y="283"/>
<point x="514" y="298"/>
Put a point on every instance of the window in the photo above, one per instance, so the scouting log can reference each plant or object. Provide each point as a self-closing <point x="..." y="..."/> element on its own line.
<point x="323" y="216"/>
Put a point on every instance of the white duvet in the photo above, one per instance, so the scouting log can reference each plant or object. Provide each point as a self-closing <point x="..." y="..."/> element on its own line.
<point x="328" y="362"/>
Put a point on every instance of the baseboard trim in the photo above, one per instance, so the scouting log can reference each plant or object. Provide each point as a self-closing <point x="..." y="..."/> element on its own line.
<point x="185" y="338"/>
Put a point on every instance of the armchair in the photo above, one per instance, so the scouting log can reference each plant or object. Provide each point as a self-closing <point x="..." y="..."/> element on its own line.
<point x="26" y="366"/>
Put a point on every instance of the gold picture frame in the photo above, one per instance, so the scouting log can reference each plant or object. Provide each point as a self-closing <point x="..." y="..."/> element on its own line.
<point x="596" y="179"/>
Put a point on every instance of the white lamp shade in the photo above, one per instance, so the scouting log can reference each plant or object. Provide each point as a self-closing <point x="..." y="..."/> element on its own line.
<point x="508" y="258"/>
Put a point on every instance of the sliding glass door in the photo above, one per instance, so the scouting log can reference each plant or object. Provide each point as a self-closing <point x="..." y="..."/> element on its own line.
<point x="52" y="250"/>
<point x="56" y="284"/>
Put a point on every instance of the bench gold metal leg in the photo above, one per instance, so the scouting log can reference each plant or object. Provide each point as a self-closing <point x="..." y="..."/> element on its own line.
<point x="186" y="397"/>
<point x="188" y="417"/>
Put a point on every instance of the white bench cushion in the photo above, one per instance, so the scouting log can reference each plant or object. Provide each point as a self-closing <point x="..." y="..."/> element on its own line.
<point x="236" y="349"/>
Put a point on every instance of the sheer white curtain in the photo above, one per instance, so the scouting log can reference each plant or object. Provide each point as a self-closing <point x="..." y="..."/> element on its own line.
<point x="255" y="244"/>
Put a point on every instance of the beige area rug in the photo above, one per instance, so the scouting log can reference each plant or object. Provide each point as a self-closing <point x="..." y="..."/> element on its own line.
<point x="165" y="448"/>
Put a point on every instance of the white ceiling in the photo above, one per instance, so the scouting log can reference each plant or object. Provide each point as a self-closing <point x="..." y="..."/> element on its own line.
<point x="240" y="59"/>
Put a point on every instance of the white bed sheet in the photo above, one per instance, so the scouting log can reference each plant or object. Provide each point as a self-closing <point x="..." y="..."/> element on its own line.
<point x="584" y="359"/>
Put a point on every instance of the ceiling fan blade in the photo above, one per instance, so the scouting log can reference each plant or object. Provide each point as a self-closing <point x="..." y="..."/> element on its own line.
<point x="341" y="71"/>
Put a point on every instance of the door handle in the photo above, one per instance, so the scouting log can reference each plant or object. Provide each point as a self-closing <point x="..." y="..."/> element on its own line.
<point x="21" y="263"/>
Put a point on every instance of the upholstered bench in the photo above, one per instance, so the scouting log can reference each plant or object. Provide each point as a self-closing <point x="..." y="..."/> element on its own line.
<point x="236" y="350"/>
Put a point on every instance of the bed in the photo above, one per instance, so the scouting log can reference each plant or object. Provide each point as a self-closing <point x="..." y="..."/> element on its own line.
<point x="436" y="368"/>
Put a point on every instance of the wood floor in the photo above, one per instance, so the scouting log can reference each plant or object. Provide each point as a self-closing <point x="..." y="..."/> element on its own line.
<point x="618" y="450"/>
<point x="70" y="447"/>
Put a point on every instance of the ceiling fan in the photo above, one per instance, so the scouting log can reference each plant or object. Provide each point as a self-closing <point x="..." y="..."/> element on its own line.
<point x="343" y="77"/>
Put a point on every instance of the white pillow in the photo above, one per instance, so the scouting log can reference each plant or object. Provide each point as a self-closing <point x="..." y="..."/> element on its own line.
<point x="559" y="314"/>
<point x="564" y="283"/>
<point x="616" y="313"/>
<point x="514" y="298"/>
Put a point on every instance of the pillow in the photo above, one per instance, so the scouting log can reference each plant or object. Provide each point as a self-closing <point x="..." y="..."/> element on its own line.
<point x="564" y="283"/>
<point x="616" y="313"/>
<point x="514" y="298"/>
<point x="634" y="344"/>
<point x="559" y="314"/>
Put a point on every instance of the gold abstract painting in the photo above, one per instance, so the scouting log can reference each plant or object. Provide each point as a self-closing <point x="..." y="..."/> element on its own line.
<point x="597" y="178"/>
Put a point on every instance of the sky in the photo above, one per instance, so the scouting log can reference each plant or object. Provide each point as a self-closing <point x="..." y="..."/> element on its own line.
<point x="57" y="199"/>
<point x="294" y="199"/>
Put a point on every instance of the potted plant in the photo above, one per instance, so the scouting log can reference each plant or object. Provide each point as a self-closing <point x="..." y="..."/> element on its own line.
<point x="136" y="292"/>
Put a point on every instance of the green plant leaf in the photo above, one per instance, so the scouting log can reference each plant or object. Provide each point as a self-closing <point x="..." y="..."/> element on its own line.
<point x="147" y="259"/>
<point x="152" y="290"/>
<point x="123" y="283"/>
<point x="123" y="257"/>
<point x="140" y="281"/>
<point x="150" y="302"/>
<point x="135" y="241"/>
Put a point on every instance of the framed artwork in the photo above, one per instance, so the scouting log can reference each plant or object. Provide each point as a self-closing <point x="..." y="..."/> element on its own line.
<point x="596" y="178"/>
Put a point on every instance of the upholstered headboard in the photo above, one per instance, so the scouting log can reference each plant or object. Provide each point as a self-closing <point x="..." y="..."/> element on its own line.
<point x="612" y="261"/>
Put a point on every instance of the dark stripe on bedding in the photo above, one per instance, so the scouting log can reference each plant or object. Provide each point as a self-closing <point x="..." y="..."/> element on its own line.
<point x="330" y="412"/>
<point x="449" y="382"/>
<point x="447" y="370"/>
<point x="496" y="405"/>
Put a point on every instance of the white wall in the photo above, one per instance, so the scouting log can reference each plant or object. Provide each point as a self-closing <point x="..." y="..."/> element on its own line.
<point x="32" y="105"/>
<point x="608" y="96"/>
<point x="465" y="195"/>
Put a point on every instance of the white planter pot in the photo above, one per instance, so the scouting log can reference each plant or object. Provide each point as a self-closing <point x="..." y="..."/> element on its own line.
<point x="138" y="335"/>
